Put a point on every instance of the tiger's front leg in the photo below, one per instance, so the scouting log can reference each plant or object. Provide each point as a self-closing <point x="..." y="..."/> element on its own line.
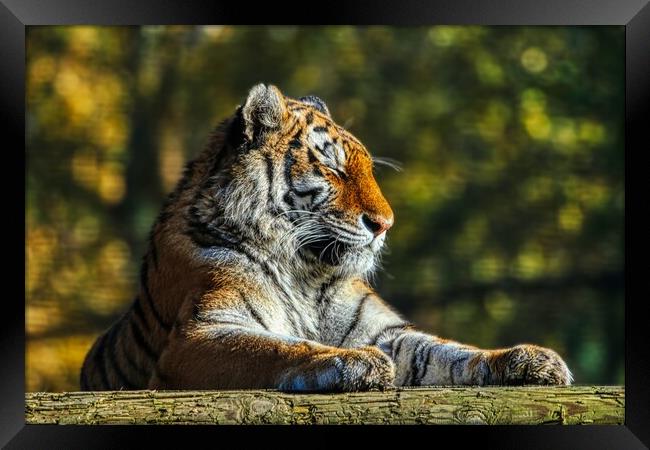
<point x="229" y="356"/>
<point x="422" y="359"/>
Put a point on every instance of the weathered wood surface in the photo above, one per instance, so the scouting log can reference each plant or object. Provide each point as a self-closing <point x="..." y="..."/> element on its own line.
<point x="431" y="405"/>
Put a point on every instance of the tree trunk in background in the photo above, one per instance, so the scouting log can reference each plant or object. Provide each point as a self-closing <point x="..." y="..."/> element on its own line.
<point x="143" y="185"/>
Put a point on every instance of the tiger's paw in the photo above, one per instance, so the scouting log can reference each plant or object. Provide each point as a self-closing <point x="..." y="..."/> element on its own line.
<point x="349" y="370"/>
<point x="529" y="364"/>
<point x="366" y="368"/>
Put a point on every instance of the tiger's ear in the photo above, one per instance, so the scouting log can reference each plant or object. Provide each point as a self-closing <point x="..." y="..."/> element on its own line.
<point x="264" y="110"/>
<point x="316" y="103"/>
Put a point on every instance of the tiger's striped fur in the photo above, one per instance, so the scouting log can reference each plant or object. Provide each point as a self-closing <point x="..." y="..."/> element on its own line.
<point x="256" y="275"/>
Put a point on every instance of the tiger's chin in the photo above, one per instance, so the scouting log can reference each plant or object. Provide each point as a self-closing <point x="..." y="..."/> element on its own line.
<point x="345" y="258"/>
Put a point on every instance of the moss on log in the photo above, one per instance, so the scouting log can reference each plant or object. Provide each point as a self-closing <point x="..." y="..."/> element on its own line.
<point x="432" y="405"/>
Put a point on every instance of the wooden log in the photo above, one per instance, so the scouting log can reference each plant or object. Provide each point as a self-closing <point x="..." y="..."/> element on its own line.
<point x="432" y="405"/>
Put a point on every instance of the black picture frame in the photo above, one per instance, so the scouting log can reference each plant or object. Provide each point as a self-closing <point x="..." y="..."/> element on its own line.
<point x="16" y="15"/>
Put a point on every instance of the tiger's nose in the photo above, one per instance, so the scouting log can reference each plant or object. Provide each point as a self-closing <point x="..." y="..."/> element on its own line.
<point x="376" y="224"/>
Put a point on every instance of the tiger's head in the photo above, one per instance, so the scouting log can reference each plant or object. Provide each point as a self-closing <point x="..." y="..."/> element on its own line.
<point x="301" y="184"/>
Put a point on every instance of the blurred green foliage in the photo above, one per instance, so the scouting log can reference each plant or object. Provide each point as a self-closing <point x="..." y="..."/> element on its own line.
<point x="509" y="208"/>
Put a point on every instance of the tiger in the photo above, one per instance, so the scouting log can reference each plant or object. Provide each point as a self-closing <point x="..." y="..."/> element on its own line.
<point x="257" y="275"/>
